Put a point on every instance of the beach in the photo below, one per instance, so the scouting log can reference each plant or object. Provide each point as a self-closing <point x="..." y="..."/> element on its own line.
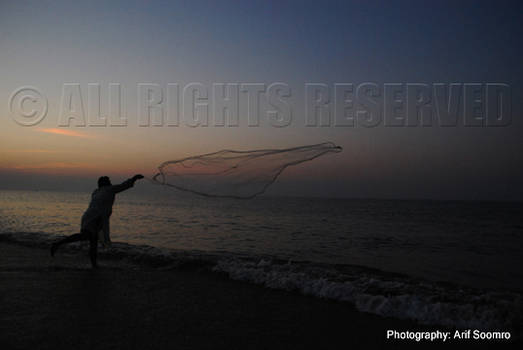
<point x="261" y="175"/>
<point x="62" y="303"/>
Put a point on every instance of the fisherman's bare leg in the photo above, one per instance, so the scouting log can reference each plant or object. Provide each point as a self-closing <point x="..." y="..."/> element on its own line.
<point x="73" y="238"/>
<point x="93" y="249"/>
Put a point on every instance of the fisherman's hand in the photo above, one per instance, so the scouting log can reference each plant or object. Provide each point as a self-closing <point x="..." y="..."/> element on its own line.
<point x="137" y="177"/>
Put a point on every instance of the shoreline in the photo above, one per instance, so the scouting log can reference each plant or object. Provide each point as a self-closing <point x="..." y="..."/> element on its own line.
<point x="369" y="291"/>
<point x="63" y="303"/>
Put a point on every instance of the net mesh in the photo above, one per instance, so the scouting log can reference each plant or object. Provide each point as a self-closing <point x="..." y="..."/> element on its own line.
<point x="235" y="174"/>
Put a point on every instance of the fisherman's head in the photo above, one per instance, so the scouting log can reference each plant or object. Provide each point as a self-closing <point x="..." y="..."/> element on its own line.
<point x="104" y="181"/>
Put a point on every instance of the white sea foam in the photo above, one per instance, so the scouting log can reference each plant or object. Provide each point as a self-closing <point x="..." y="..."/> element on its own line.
<point x="390" y="296"/>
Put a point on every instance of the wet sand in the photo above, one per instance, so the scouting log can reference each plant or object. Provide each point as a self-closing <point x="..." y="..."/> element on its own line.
<point x="62" y="303"/>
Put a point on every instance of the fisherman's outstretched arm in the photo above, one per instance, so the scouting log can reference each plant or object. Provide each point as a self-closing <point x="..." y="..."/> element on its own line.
<point x="126" y="184"/>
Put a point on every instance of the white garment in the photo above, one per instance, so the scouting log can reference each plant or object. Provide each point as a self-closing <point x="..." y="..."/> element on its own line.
<point x="95" y="219"/>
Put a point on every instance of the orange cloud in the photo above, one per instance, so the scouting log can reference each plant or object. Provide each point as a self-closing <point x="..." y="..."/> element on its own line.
<point x="66" y="132"/>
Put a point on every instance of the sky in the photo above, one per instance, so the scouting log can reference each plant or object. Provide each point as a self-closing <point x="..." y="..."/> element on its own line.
<point x="48" y="45"/>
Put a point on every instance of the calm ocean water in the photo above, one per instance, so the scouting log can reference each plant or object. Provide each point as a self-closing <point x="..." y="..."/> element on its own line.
<point x="473" y="243"/>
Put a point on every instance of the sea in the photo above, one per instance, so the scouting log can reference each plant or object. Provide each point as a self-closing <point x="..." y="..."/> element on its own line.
<point x="451" y="263"/>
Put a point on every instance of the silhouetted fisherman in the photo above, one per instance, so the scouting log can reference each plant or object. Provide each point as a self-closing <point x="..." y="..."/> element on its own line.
<point x="95" y="220"/>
